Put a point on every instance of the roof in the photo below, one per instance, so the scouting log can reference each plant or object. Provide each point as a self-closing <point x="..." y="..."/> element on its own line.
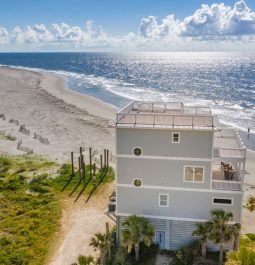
<point x="144" y="114"/>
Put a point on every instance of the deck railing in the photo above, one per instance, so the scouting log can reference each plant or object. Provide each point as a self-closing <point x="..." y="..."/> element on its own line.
<point x="163" y="107"/>
<point x="156" y="119"/>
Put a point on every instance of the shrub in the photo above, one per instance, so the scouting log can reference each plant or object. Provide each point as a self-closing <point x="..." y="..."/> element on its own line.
<point x="182" y="257"/>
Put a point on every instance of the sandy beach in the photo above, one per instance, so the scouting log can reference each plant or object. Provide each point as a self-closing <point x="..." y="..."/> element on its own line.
<point x="62" y="120"/>
<point x="57" y="121"/>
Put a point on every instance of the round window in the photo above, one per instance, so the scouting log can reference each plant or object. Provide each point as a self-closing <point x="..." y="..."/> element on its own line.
<point x="137" y="182"/>
<point x="137" y="151"/>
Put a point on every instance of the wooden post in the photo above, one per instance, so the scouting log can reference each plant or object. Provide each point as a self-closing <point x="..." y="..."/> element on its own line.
<point x="101" y="162"/>
<point x="82" y="169"/>
<point x="90" y="162"/>
<point x="79" y="161"/>
<point x="107" y="232"/>
<point x="80" y="151"/>
<point x="84" y="172"/>
<point x="104" y="158"/>
<point x="107" y="158"/>
<point x="72" y="163"/>
<point x="94" y="174"/>
<point x="94" y="169"/>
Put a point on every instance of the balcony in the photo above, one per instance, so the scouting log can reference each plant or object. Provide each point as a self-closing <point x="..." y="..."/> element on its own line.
<point x="226" y="177"/>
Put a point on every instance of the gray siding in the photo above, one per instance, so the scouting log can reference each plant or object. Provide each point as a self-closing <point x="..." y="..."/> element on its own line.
<point x="182" y="204"/>
<point x="177" y="233"/>
<point x="160" y="172"/>
<point x="180" y="233"/>
<point x="156" y="142"/>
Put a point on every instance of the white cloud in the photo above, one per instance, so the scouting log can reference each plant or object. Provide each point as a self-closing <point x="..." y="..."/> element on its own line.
<point x="3" y="35"/>
<point x="39" y="33"/>
<point x="214" y="20"/>
<point x="207" y="25"/>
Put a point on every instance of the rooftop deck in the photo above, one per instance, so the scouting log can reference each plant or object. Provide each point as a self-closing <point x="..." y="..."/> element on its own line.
<point x="165" y="115"/>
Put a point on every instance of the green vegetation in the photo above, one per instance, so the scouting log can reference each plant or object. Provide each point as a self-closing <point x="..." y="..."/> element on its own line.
<point x="65" y="183"/>
<point x="202" y="231"/>
<point x="250" y="205"/>
<point x="246" y="254"/>
<point x="84" y="260"/>
<point x="136" y="230"/>
<point x="29" y="211"/>
<point x="30" y="206"/>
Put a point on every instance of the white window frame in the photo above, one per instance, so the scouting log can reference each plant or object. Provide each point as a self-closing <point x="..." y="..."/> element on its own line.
<point x="134" y="153"/>
<point x="227" y="204"/>
<point x="133" y="182"/>
<point x="193" y="181"/>
<point x="159" y="199"/>
<point x="179" y="137"/>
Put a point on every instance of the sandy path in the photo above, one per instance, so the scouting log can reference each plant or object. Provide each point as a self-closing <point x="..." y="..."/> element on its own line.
<point x="79" y="223"/>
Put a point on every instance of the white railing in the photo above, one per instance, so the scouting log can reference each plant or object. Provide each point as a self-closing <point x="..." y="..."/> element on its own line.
<point x="154" y="119"/>
<point x="161" y="107"/>
<point x="227" y="185"/>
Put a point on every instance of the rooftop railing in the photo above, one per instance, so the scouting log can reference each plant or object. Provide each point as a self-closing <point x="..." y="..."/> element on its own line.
<point x="164" y="114"/>
<point x="165" y="107"/>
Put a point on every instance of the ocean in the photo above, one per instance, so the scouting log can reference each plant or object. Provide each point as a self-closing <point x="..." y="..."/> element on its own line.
<point x="224" y="81"/>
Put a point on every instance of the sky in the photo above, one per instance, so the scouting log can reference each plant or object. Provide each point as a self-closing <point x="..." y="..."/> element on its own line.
<point x="133" y="25"/>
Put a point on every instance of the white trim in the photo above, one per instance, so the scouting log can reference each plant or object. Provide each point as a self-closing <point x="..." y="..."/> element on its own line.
<point x="134" y="183"/>
<point x="164" y="217"/>
<point x="227" y="204"/>
<point x="167" y="200"/>
<point x="133" y="155"/>
<point x="165" y="158"/>
<point x="178" y="189"/>
<point x="179" y="137"/>
<point x="169" y="218"/>
<point x="193" y="181"/>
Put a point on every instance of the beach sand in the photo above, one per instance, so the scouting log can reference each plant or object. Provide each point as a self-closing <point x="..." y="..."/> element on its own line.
<point x="65" y="119"/>
<point x="68" y="120"/>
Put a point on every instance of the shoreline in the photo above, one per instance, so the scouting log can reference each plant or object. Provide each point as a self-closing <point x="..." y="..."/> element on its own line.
<point x="46" y="107"/>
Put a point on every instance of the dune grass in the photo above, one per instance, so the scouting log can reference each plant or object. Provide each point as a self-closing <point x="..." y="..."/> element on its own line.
<point x="30" y="207"/>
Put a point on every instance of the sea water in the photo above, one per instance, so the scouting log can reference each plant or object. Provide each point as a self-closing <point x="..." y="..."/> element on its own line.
<point x="224" y="81"/>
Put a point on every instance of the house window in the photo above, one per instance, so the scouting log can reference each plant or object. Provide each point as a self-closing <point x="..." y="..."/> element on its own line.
<point x="163" y="200"/>
<point x="193" y="174"/>
<point x="137" y="151"/>
<point x="175" y="138"/>
<point x="225" y="201"/>
<point x="137" y="182"/>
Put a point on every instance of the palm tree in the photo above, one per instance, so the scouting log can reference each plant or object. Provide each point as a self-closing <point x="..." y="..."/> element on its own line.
<point x="84" y="260"/>
<point x="135" y="231"/>
<point x="235" y="231"/>
<point x="221" y="232"/>
<point x="103" y="243"/>
<point x="250" y="205"/>
<point x="202" y="231"/>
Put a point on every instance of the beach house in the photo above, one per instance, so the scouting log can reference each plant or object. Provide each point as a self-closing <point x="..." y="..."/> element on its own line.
<point x="174" y="164"/>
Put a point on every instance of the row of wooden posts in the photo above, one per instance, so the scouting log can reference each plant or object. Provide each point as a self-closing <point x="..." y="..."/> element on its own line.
<point x="104" y="164"/>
